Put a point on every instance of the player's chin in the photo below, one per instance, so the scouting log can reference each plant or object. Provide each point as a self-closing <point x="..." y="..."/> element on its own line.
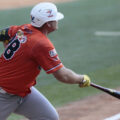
<point x="55" y="29"/>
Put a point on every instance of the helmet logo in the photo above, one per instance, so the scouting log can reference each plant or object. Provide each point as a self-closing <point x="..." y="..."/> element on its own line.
<point x="49" y="11"/>
<point x="32" y="18"/>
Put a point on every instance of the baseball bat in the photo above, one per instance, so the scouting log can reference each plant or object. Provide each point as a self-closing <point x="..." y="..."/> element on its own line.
<point x="112" y="92"/>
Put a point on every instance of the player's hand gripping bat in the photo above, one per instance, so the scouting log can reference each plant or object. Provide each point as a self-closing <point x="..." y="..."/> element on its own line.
<point x="112" y="92"/>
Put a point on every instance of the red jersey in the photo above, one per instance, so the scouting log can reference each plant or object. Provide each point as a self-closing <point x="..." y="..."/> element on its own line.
<point x="28" y="51"/>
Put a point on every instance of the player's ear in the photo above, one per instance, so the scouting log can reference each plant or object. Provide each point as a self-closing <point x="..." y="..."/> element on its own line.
<point x="48" y="24"/>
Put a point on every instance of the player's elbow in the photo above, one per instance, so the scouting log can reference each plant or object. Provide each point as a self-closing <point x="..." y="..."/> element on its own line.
<point x="62" y="75"/>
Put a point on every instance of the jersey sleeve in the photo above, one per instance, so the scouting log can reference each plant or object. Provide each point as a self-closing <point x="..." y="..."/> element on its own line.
<point x="47" y="57"/>
<point x="8" y="33"/>
<point x="4" y="34"/>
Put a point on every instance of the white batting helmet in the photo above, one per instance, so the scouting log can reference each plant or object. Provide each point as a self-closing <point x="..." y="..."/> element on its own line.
<point x="44" y="12"/>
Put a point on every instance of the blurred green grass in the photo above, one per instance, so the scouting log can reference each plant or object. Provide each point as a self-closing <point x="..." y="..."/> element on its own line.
<point x="78" y="47"/>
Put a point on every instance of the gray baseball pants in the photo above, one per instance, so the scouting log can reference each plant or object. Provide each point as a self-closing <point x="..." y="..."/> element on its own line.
<point x="34" y="106"/>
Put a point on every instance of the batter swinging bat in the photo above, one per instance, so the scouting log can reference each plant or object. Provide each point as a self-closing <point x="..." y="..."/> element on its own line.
<point x="112" y="92"/>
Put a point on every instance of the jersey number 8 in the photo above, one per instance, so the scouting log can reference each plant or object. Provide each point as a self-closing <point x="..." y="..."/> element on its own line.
<point x="11" y="49"/>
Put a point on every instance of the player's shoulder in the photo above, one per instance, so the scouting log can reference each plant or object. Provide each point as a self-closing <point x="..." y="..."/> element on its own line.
<point x="39" y="37"/>
<point x="42" y="41"/>
<point x="36" y="37"/>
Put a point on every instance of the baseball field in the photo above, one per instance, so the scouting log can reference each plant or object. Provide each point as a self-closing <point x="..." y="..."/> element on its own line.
<point x="87" y="42"/>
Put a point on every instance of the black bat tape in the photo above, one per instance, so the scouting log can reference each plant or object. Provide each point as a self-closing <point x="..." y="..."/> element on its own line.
<point x="112" y="92"/>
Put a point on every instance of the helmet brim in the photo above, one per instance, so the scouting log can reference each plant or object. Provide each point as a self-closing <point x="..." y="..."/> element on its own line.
<point x="60" y="16"/>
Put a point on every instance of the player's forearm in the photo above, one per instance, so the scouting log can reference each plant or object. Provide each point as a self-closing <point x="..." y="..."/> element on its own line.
<point x="68" y="76"/>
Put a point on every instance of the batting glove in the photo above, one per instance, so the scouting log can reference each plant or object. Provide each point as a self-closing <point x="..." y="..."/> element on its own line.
<point x="85" y="82"/>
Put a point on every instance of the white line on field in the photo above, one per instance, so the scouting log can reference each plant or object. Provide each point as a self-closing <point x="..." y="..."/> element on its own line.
<point x="115" y="117"/>
<point x="106" y="33"/>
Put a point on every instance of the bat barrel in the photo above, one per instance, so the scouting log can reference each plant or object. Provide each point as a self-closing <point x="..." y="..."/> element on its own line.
<point x="107" y="90"/>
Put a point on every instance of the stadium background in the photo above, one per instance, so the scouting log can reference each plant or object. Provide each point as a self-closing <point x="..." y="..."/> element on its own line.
<point x="81" y="50"/>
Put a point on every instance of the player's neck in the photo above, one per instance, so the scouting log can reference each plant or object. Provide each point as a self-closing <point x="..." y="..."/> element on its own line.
<point x="45" y="32"/>
<point x="45" y="29"/>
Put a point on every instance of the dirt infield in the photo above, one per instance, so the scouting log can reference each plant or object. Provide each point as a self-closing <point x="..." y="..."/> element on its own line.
<point x="7" y="4"/>
<point x="97" y="107"/>
<point x="92" y="108"/>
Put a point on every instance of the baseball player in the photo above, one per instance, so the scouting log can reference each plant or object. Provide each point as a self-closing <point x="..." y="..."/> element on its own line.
<point x="27" y="51"/>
